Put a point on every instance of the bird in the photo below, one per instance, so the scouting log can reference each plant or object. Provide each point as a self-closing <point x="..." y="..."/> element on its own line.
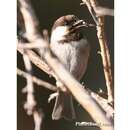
<point x="72" y="48"/>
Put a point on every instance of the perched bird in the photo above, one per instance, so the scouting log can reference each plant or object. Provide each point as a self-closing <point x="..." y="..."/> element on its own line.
<point x="72" y="49"/>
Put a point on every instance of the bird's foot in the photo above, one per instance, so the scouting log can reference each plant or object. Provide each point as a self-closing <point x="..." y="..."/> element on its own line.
<point x="52" y="96"/>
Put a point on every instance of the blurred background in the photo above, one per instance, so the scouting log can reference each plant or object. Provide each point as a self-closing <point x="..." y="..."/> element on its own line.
<point x="47" y="12"/>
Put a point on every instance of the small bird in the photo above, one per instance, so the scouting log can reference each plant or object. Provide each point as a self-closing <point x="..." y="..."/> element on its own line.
<point x="72" y="49"/>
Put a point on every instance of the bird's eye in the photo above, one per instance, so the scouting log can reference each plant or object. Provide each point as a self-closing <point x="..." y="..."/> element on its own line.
<point x="75" y="20"/>
<point x="66" y="23"/>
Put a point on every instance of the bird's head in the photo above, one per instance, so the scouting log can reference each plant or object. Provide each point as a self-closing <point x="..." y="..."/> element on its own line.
<point x="66" y="28"/>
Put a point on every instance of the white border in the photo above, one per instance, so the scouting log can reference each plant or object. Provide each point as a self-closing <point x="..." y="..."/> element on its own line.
<point x="122" y="64"/>
<point x="8" y="65"/>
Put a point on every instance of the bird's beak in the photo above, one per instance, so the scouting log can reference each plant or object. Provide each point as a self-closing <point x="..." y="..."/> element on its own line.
<point x="78" y="24"/>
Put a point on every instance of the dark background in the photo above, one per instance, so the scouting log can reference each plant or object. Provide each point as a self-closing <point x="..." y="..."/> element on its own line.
<point x="47" y="12"/>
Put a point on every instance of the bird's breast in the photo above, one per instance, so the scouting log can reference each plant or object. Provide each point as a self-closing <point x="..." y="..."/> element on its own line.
<point x="74" y="56"/>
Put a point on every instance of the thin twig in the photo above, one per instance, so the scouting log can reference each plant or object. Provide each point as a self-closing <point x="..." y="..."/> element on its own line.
<point x="30" y="104"/>
<point x="105" y="59"/>
<point x="91" y="10"/>
<point x="36" y="60"/>
<point x="103" y="103"/>
<point x="31" y="22"/>
<point x="38" y="117"/>
<point x="100" y="11"/>
<point x="29" y="46"/>
<point x="37" y="80"/>
<point x="104" y="48"/>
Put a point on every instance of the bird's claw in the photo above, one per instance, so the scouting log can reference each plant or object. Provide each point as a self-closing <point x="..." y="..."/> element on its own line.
<point x="52" y="96"/>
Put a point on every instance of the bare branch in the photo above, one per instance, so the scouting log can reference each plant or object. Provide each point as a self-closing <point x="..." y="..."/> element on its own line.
<point x="30" y="104"/>
<point x="36" y="60"/>
<point x="103" y="103"/>
<point x="29" y="46"/>
<point x="91" y="10"/>
<point x="100" y="11"/>
<point x="37" y="80"/>
<point x="38" y="117"/>
<point x="104" y="48"/>
<point x="105" y="59"/>
<point x="31" y="21"/>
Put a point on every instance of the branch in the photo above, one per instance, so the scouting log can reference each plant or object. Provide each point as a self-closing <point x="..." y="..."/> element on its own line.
<point x="104" y="48"/>
<point x="36" y="60"/>
<point x="91" y="10"/>
<point x="29" y="46"/>
<point x="100" y="11"/>
<point x="38" y="116"/>
<point x="37" y="80"/>
<point x="31" y="22"/>
<point x="102" y="101"/>
<point x="30" y="104"/>
<point x="82" y="96"/>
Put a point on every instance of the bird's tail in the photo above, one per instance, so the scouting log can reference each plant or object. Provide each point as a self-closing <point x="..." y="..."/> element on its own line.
<point x="63" y="107"/>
